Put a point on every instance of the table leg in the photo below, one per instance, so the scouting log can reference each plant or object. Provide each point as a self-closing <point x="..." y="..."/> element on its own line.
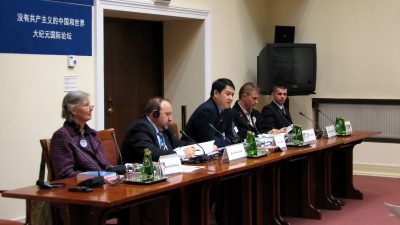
<point x="323" y="186"/>
<point x="342" y="174"/>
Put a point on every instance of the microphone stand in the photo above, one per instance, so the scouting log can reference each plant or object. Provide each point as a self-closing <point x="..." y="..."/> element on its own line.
<point x="198" y="158"/>
<point x="222" y="135"/>
<point x="318" y="132"/>
<point x="326" y="116"/>
<point x="119" y="169"/>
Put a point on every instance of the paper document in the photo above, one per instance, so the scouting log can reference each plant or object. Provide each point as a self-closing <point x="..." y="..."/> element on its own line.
<point x="208" y="147"/>
<point x="394" y="209"/>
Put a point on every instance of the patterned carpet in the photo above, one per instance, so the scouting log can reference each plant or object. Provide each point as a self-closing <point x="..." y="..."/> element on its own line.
<point x="369" y="211"/>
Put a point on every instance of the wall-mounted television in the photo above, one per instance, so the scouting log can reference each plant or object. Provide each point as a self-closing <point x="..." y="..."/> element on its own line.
<point x="293" y="65"/>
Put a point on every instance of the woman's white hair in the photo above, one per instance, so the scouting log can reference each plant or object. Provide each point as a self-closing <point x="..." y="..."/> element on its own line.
<point x="71" y="100"/>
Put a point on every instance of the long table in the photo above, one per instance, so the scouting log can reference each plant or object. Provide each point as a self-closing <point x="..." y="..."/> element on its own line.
<point x="263" y="190"/>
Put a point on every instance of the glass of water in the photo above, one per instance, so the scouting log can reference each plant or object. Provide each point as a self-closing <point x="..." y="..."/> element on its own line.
<point x="159" y="168"/>
<point x="129" y="171"/>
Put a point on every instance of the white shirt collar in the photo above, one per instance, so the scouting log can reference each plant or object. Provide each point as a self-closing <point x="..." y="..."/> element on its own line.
<point x="155" y="127"/>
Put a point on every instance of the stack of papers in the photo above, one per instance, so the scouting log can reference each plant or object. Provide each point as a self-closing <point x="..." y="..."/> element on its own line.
<point x="394" y="209"/>
<point x="89" y="174"/>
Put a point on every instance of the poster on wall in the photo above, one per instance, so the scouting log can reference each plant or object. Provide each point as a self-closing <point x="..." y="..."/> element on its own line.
<point x="46" y="27"/>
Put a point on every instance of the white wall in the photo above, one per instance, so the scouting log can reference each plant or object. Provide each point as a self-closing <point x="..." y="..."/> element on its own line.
<point x="358" y="52"/>
<point x="184" y="64"/>
<point x="31" y="94"/>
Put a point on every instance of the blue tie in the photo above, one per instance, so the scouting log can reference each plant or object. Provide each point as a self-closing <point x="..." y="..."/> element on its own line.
<point x="162" y="143"/>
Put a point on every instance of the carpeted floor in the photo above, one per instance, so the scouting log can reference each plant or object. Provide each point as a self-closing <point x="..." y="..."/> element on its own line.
<point x="369" y="211"/>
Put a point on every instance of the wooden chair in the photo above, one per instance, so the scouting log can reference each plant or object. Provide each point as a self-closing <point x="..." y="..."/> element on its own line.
<point x="111" y="151"/>
<point x="175" y="129"/>
<point x="46" y="161"/>
<point x="110" y="145"/>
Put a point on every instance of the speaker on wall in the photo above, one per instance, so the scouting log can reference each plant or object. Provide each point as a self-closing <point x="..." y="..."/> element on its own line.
<point x="284" y="34"/>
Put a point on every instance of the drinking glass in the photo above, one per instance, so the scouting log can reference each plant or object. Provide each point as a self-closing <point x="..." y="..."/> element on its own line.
<point x="129" y="171"/>
<point x="137" y="171"/>
<point x="159" y="170"/>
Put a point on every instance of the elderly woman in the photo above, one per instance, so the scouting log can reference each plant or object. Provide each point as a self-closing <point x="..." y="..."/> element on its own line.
<point x="75" y="146"/>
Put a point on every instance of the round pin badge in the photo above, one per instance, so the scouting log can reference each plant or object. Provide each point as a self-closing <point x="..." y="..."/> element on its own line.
<point x="83" y="143"/>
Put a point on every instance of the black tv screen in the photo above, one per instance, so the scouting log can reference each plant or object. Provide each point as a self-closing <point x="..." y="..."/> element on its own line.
<point x="290" y="64"/>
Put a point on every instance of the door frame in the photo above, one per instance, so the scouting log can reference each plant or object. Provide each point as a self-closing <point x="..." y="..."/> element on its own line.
<point x="148" y="9"/>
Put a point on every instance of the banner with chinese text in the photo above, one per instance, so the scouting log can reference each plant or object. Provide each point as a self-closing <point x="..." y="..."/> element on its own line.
<point x="45" y="27"/>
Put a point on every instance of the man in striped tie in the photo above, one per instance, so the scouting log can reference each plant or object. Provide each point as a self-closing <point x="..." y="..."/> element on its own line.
<point x="153" y="131"/>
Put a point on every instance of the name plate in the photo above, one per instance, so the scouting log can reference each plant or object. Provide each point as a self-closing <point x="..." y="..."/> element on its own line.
<point x="172" y="164"/>
<point x="234" y="152"/>
<point x="279" y="140"/>
<point x="330" y="131"/>
<point x="349" y="129"/>
<point x="309" y="136"/>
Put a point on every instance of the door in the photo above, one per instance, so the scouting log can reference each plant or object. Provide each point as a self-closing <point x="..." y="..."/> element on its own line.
<point x="133" y="70"/>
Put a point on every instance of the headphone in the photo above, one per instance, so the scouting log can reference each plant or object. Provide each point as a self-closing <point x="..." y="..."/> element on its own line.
<point x="156" y="112"/>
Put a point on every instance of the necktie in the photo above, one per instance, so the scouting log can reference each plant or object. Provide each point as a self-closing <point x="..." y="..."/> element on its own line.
<point x="221" y="116"/>
<point x="161" y="140"/>
<point x="283" y="111"/>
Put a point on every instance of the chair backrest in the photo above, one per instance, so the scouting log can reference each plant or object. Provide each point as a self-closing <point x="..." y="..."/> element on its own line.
<point x="10" y="222"/>
<point x="110" y="145"/>
<point x="174" y="127"/>
<point x="46" y="160"/>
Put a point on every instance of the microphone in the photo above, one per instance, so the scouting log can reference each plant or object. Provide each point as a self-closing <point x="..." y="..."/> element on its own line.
<point x="119" y="169"/>
<point x="198" y="158"/>
<point x="326" y="116"/>
<point x="222" y="135"/>
<point x="96" y="181"/>
<point x="318" y="132"/>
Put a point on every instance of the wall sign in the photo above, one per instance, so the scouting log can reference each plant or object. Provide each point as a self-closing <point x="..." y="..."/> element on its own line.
<point x="45" y="27"/>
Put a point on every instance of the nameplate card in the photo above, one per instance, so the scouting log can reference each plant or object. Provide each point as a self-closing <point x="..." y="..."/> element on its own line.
<point x="330" y="131"/>
<point x="234" y="152"/>
<point x="172" y="164"/>
<point x="279" y="140"/>
<point x="309" y="136"/>
<point x="349" y="129"/>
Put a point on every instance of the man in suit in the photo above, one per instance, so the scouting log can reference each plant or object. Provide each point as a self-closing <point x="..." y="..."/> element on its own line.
<point x="153" y="131"/>
<point x="276" y="118"/>
<point x="246" y="117"/>
<point x="212" y="120"/>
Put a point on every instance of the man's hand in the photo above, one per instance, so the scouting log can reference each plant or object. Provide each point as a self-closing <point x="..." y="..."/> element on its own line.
<point x="215" y="148"/>
<point x="189" y="152"/>
<point x="278" y="131"/>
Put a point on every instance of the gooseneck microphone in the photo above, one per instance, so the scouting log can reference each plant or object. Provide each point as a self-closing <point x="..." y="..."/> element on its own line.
<point x="96" y="181"/>
<point x="318" y="132"/>
<point x="119" y="169"/>
<point x="326" y="116"/>
<point x="198" y="158"/>
<point x="222" y="135"/>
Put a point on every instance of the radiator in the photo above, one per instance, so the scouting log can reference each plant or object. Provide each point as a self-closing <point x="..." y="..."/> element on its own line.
<point x="374" y="117"/>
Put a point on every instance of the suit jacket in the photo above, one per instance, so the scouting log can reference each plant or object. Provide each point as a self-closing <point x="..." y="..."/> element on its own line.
<point x="141" y="135"/>
<point x="273" y="118"/>
<point x="207" y="113"/>
<point x="69" y="157"/>
<point x="243" y="124"/>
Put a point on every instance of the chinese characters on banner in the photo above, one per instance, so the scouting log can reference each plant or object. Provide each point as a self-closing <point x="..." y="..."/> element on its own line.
<point x="45" y="27"/>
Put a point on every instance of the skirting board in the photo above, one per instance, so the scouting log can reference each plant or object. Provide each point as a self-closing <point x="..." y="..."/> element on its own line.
<point x="376" y="170"/>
